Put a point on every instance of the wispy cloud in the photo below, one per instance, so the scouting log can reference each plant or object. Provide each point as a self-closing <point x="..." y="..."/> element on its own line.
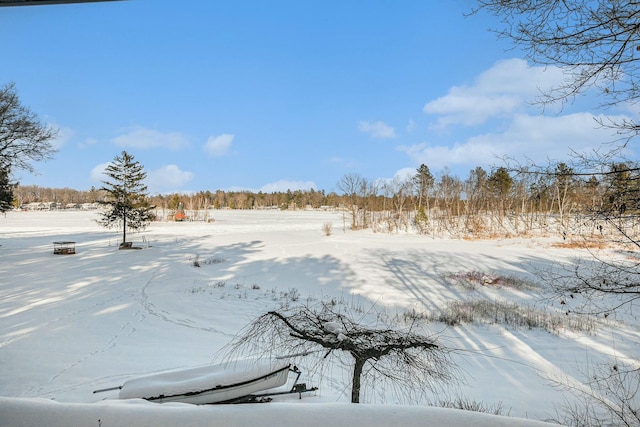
<point x="139" y="137"/>
<point x="502" y="90"/>
<point x="284" y="185"/>
<point x="538" y="138"/>
<point x="168" y="178"/>
<point x="401" y="176"/>
<point x="218" y="145"/>
<point x="65" y="134"/>
<point x="97" y="173"/>
<point x="377" y="129"/>
<point x="88" y="142"/>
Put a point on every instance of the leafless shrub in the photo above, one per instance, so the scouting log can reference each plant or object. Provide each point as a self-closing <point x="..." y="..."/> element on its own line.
<point x="294" y="294"/>
<point x="213" y="260"/>
<point x="512" y="314"/>
<point x="327" y="228"/>
<point x="473" y="405"/>
<point x="474" y="279"/>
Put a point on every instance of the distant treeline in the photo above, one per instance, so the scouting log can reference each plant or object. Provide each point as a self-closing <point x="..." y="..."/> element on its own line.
<point x="445" y="202"/>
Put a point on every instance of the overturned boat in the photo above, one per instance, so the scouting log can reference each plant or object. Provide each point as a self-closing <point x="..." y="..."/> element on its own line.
<point x="232" y="382"/>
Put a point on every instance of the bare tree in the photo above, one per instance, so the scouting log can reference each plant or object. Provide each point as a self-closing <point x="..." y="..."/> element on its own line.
<point x="449" y="190"/>
<point x="597" y="45"/>
<point x="402" y="189"/>
<point x="351" y="186"/>
<point x="402" y="356"/>
<point x="595" y="42"/>
<point x="23" y="139"/>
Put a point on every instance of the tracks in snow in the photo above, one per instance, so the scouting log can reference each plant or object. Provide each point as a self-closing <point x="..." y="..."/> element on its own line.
<point x="165" y="316"/>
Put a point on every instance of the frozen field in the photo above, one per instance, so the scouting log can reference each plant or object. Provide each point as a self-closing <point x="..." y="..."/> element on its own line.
<point x="73" y="324"/>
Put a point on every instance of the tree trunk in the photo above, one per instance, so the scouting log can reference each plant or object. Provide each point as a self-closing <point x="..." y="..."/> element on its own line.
<point x="124" y="229"/>
<point x="355" y="381"/>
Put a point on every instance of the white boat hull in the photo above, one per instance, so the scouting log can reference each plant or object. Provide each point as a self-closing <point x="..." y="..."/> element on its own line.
<point x="206" y="385"/>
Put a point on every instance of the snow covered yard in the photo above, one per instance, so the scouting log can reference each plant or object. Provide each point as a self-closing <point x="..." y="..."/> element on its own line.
<point x="38" y="412"/>
<point x="72" y="324"/>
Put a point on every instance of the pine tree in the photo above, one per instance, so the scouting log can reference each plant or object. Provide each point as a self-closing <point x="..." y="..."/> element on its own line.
<point x="126" y="201"/>
<point x="424" y="181"/>
<point x="499" y="184"/>
<point x="6" y="191"/>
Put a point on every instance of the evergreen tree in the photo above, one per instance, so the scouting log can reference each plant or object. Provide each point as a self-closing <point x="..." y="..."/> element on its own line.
<point x="126" y="200"/>
<point x="424" y="181"/>
<point x="499" y="185"/>
<point x="622" y="189"/>
<point x="6" y="191"/>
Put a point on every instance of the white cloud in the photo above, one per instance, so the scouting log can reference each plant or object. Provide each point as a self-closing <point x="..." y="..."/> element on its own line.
<point x="539" y="138"/>
<point x="504" y="89"/>
<point x="139" y="137"/>
<point x="64" y="135"/>
<point x="88" y="142"/>
<point x="218" y="145"/>
<point x="168" y="178"/>
<point x="97" y="173"/>
<point x="401" y="176"/>
<point x="377" y="129"/>
<point x="284" y="185"/>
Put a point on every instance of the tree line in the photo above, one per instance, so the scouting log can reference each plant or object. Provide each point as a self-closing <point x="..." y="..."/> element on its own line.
<point x="508" y="199"/>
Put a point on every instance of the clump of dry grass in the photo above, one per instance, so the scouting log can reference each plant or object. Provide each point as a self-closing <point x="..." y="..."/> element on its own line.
<point x="504" y="313"/>
<point x="474" y="279"/>
<point x="467" y="404"/>
<point x="491" y="235"/>
<point x="582" y="244"/>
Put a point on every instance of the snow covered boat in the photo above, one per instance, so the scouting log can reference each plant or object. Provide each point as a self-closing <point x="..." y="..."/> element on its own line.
<point x="224" y="383"/>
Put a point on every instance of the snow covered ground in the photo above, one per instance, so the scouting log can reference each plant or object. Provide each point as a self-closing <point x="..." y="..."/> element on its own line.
<point x="72" y="324"/>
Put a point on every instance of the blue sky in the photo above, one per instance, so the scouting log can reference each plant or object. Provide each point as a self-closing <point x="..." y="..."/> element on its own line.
<point x="270" y="96"/>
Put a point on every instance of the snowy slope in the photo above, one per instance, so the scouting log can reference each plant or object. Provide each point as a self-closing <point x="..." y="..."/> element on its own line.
<point x="73" y="324"/>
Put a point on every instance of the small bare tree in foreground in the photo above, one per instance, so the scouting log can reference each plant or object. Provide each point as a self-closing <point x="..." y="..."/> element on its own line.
<point x="407" y="359"/>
